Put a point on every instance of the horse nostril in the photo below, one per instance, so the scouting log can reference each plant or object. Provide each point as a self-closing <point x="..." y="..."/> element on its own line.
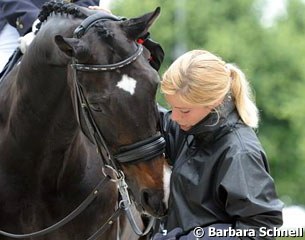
<point x="145" y="196"/>
<point x="153" y="200"/>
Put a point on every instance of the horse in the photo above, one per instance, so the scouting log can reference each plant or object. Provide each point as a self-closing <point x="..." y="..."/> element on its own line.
<point x="81" y="154"/>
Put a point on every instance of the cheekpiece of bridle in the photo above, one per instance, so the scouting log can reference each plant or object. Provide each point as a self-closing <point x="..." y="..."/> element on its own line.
<point x="140" y="151"/>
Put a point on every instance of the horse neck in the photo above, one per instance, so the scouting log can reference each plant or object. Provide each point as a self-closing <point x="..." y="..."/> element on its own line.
<point x="43" y="86"/>
<point x="42" y="109"/>
<point x="41" y="123"/>
<point x="43" y="71"/>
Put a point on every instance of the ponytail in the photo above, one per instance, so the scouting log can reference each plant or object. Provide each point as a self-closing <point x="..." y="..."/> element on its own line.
<point x="243" y="96"/>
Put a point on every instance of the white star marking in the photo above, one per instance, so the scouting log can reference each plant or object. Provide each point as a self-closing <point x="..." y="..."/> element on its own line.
<point x="128" y="84"/>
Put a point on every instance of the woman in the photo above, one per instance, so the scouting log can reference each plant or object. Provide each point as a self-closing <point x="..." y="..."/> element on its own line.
<point x="220" y="175"/>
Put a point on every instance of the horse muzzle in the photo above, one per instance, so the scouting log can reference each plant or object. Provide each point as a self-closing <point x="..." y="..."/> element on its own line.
<point x="153" y="202"/>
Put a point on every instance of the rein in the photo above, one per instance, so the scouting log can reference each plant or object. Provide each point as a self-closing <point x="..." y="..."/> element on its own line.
<point x="140" y="151"/>
<point x="66" y="219"/>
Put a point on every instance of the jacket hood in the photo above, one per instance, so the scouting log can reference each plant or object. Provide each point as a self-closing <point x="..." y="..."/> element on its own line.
<point x="217" y="123"/>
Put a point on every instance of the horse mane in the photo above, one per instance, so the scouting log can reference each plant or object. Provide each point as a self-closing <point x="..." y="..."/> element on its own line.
<point x="70" y="9"/>
<point x="59" y="8"/>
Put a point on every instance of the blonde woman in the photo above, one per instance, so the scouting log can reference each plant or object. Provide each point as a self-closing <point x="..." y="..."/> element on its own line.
<point x="220" y="177"/>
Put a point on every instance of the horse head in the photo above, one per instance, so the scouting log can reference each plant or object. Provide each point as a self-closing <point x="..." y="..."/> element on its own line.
<point x="114" y="84"/>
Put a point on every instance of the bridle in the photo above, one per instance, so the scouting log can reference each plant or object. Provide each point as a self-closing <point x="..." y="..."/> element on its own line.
<point x="140" y="151"/>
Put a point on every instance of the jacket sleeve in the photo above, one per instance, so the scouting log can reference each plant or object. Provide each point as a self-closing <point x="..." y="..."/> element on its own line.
<point x="249" y="193"/>
<point x="19" y="14"/>
<point x="22" y="14"/>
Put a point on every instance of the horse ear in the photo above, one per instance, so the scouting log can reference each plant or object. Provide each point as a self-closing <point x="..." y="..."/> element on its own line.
<point x="72" y="47"/>
<point x="66" y="45"/>
<point x="136" y="27"/>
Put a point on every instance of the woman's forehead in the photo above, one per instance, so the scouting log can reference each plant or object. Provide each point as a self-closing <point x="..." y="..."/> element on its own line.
<point x="176" y="101"/>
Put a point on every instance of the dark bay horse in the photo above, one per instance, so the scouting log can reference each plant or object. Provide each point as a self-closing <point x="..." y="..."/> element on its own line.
<point x="77" y="117"/>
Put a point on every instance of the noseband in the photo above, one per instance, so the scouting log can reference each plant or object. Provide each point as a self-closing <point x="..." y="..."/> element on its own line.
<point x="140" y="151"/>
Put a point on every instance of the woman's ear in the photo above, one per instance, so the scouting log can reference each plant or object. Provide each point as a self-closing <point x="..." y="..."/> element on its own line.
<point x="217" y="103"/>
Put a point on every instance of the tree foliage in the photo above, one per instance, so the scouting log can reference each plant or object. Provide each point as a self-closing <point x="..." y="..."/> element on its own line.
<point x="272" y="58"/>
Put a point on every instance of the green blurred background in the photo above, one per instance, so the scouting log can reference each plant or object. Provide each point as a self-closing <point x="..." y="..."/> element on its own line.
<point x="270" y="52"/>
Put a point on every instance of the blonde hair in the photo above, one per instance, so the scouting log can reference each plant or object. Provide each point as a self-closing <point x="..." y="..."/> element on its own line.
<point x="199" y="77"/>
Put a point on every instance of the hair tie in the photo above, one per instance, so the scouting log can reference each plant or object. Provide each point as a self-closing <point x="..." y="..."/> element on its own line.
<point x="228" y="71"/>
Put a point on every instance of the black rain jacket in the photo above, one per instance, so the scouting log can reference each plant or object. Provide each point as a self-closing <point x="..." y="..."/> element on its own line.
<point x="220" y="174"/>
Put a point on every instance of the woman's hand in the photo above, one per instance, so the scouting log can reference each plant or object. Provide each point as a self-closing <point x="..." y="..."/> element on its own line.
<point x="100" y="8"/>
<point x="172" y="235"/>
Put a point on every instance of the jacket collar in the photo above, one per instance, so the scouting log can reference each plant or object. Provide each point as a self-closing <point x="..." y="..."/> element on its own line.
<point x="217" y="123"/>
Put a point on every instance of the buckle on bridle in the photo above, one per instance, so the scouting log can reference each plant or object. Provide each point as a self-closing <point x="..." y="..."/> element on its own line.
<point x="125" y="202"/>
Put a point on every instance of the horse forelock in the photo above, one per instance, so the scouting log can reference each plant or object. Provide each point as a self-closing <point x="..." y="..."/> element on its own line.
<point x="103" y="32"/>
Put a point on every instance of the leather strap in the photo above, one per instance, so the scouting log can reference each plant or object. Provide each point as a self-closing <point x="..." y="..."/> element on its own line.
<point x="65" y="220"/>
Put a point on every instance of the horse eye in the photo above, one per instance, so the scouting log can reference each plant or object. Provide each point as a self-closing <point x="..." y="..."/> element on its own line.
<point x="96" y="107"/>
